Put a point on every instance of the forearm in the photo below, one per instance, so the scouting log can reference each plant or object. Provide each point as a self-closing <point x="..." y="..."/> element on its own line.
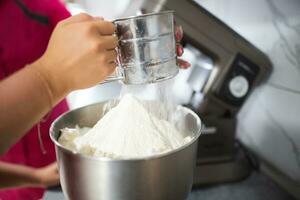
<point x="25" y="98"/>
<point x="12" y="175"/>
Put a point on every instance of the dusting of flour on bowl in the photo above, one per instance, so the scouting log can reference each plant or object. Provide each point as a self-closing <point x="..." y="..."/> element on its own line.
<point x="128" y="130"/>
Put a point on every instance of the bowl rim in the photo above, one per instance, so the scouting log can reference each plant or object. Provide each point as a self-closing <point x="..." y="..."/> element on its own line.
<point x="107" y="159"/>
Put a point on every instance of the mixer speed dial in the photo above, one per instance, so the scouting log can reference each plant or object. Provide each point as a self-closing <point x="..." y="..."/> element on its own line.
<point x="239" y="86"/>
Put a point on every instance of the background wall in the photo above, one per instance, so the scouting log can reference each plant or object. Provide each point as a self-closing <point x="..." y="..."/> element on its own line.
<point x="269" y="123"/>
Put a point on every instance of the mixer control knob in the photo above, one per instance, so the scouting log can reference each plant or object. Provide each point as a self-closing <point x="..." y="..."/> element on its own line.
<point x="239" y="86"/>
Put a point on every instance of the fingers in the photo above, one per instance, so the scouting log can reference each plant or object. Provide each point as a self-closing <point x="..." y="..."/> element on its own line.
<point x="52" y="168"/>
<point x="53" y="165"/>
<point x="109" y="42"/>
<point x="48" y="175"/>
<point x="111" y="56"/>
<point x="53" y="175"/>
<point x="183" y="64"/>
<point x="179" y="49"/>
<point x="178" y="33"/>
<point x="111" y="68"/>
<point x="52" y="180"/>
<point x="104" y="27"/>
<point x="107" y="60"/>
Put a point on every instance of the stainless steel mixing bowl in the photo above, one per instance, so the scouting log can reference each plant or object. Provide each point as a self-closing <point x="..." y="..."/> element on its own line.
<point x="167" y="176"/>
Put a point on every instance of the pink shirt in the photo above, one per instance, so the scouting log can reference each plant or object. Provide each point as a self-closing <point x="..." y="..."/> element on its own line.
<point x="23" y="39"/>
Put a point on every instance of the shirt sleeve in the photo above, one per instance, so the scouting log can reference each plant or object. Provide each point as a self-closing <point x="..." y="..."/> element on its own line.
<point x="57" y="12"/>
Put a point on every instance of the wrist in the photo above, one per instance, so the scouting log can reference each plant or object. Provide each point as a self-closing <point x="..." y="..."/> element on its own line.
<point x="13" y="175"/>
<point x="55" y="89"/>
<point x="29" y="176"/>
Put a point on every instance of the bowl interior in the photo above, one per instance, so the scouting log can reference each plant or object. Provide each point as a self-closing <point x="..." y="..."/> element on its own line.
<point x="187" y="122"/>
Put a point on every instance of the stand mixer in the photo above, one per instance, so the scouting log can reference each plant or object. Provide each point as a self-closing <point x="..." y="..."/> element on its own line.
<point x="226" y="70"/>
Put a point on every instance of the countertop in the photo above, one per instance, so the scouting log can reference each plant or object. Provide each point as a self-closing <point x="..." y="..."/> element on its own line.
<point x="256" y="187"/>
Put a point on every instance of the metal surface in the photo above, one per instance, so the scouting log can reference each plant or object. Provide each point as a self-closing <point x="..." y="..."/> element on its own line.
<point x="146" y="50"/>
<point x="161" y="177"/>
<point x="257" y="187"/>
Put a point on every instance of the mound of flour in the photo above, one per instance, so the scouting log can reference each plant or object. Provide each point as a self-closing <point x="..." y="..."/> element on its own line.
<point x="128" y="130"/>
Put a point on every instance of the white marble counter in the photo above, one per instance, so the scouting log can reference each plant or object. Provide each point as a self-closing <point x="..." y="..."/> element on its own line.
<point x="269" y="122"/>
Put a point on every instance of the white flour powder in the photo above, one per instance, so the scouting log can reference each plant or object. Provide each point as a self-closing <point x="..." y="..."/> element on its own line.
<point x="128" y="130"/>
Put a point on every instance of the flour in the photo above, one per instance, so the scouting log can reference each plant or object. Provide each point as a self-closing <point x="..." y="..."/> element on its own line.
<point x="129" y="130"/>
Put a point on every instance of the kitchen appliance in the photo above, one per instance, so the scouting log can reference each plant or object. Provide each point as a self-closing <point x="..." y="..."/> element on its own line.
<point x="226" y="68"/>
<point x="146" y="50"/>
<point x="160" y="177"/>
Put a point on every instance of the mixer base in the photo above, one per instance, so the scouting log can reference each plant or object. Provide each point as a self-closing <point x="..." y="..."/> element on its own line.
<point x="233" y="170"/>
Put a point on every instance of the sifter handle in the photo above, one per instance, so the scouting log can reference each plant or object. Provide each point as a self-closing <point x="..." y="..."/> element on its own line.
<point x="117" y="75"/>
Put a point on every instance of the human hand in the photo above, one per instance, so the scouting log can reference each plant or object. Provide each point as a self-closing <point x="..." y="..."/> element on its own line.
<point x="179" y="49"/>
<point x="47" y="176"/>
<point x="80" y="54"/>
